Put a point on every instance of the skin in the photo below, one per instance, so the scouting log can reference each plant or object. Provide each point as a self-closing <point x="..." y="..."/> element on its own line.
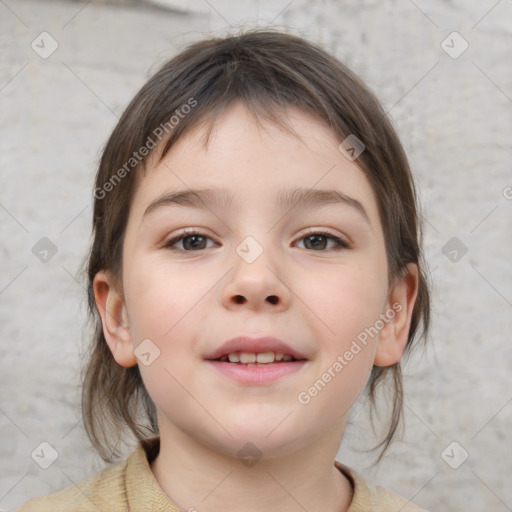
<point x="185" y="303"/>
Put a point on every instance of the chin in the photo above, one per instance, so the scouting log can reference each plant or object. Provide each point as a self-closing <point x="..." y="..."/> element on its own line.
<point x="256" y="442"/>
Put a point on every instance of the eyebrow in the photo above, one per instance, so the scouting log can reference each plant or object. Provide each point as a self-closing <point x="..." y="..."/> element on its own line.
<point x="288" y="199"/>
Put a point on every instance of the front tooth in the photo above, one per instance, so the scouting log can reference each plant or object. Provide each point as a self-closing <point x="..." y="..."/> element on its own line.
<point x="233" y="358"/>
<point x="279" y="357"/>
<point x="246" y="357"/>
<point x="265" y="357"/>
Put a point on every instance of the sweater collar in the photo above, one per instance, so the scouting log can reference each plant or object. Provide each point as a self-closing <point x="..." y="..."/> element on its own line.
<point x="144" y="494"/>
<point x="142" y="490"/>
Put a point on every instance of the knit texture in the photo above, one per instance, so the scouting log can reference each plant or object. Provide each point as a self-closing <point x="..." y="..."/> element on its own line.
<point x="130" y="485"/>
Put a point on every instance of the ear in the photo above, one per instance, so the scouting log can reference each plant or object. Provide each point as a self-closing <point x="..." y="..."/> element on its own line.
<point x="397" y="318"/>
<point x="110" y="304"/>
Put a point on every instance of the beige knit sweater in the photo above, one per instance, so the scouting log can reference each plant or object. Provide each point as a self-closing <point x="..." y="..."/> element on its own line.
<point x="130" y="485"/>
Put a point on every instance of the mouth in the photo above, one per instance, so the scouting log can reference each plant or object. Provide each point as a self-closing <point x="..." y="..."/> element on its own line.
<point x="256" y="361"/>
<point x="263" y="350"/>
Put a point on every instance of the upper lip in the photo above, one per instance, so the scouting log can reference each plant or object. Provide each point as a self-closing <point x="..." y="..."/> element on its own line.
<point x="254" y="346"/>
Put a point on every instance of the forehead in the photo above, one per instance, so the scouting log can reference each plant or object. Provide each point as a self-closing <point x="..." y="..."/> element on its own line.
<point x="254" y="159"/>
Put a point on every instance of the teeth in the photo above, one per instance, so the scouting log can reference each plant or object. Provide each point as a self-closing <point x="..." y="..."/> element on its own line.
<point x="262" y="358"/>
<point x="266" y="357"/>
<point x="245" y="357"/>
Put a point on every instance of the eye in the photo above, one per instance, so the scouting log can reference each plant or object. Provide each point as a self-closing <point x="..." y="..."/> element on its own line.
<point x="318" y="241"/>
<point x="191" y="241"/>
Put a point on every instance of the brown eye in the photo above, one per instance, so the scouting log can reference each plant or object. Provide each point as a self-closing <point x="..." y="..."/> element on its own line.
<point x="190" y="241"/>
<point x="319" y="242"/>
<point x="194" y="242"/>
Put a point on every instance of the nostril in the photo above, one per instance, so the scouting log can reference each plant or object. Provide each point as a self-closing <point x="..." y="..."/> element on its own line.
<point x="240" y="299"/>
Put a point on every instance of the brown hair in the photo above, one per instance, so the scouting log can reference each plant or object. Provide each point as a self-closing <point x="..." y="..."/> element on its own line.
<point x="268" y="71"/>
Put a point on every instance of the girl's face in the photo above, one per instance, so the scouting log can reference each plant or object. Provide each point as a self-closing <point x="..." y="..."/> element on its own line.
<point x="257" y="265"/>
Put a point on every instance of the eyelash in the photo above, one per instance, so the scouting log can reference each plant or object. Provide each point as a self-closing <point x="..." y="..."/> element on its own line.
<point x="342" y="244"/>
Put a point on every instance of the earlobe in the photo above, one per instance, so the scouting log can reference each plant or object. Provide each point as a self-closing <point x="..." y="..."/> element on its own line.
<point x="110" y="304"/>
<point x="400" y="304"/>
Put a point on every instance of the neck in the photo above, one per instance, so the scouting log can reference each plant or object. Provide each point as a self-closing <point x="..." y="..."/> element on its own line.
<point x="197" y="478"/>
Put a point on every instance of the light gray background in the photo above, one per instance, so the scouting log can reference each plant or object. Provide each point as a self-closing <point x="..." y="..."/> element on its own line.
<point x="454" y="116"/>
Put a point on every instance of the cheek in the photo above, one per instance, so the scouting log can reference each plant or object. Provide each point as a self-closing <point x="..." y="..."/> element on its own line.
<point x="161" y="299"/>
<point x="347" y="305"/>
<point x="164" y="305"/>
<point x="168" y="306"/>
<point x="345" y="300"/>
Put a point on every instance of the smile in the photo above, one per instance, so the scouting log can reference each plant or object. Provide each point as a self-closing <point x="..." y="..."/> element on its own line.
<point x="259" y="358"/>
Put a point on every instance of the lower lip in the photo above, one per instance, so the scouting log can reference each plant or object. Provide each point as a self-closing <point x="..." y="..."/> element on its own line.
<point x="257" y="373"/>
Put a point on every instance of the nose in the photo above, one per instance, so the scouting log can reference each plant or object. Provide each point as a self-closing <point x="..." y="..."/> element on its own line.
<point x="258" y="285"/>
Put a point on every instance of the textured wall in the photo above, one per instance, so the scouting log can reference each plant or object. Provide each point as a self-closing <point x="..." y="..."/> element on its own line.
<point x="452" y="106"/>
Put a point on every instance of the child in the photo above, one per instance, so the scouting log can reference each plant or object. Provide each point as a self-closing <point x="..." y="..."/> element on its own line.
<point x="255" y="266"/>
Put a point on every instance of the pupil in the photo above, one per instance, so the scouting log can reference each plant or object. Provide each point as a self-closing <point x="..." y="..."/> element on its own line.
<point x="317" y="240"/>
<point x="194" y="240"/>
